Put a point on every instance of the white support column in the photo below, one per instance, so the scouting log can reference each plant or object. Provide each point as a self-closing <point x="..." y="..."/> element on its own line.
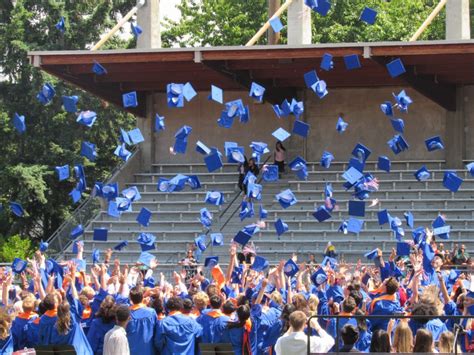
<point x="299" y="23"/>
<point x="148" y="18"/>
<point x="457" y="20"/>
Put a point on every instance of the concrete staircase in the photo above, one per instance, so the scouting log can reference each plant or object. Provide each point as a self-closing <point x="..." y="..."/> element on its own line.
<point x="175" y="215"/>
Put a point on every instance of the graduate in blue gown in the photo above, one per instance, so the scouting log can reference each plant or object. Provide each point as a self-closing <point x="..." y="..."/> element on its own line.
<point x="21" y="321"/>
<point x="177" y="333"/>
<point x="242" y="334"/>
<point x="6" y="337"/>
<point x="102" y="323"/>
<point x="213" y="322"/>
<point x="385" y="303"/>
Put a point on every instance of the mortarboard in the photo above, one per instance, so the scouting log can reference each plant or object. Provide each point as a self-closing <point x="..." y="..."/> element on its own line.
<point x="357" y="208"/>
<point x="396" y="68"/>
<point x="300" y="128"/>
<point x="403" y="100"/>
<point x="398" y="124"/>
<point x="361" y="152"/>
<point x="144" y="216"/>
<point x="217" y="239"/>
<point x="181" y="137"/>
<point x="322" y="214"/>
<point x="259" y="148"/>
<point x="19" y="123"/>
<point x="136" y="136"/>
<point x="354" y="225"/>
<point x="281" y="135"/>
<point x="270" y="173"/>
<point x="110" y="191"/>
<point x="256" y="92"/>
<point x="320" y="88"/>
<point x="419" y="235"/>
<point x="298" y="165"/>
<point x="422" y="174"/>
<point x="351" y="61"/>
<point x="368" y="15"/>
<point x="100" y="234"/>
<point x="311" y="78"/>
<point x="43" y="246"/>
<point x="387" y="108"/>
<point x="159" y="123"/>
<point x="451" y="181"/>
<point x="251" y="229"/>
<point x="352" y="175"/>
<point x="17" y="209"/>
<point x="259" y="264"/>
<point x="193" y="182"/>
<point x="286" y="198"/>
<point x="246" y="210"/>
<point x="235" y="154"/>
<point x="291" y="268"/>
<point x="213" y="162"/>
<point x="63" y="172"/>
<point x="297" y="107"/>
<point x="470" y="168"/>
<point x="81" y="264"/>
<point x="328" y="260"/>
<point x="98" y="69"/>
<point x="76" y="232"/>
<point x="174" y="93"/>
<point x="442" y="232"/>
<point x="61" y="25"/>
<point x="211" y="261"/>
<point x="276" y="24"/>
<point x="146" y="258"/>
<point x="146" y="241"/>
<point x="200" y="242"/>
<point x="326" y="159"/>
<point x="124" y="137"/>
<point x="70" y="102"/>
<point x="75" y="195"/>
<point x="45" y="96"/>
<point x="397" y="144"/>
<point x="242" y="238"/>
<point x="95" y="256"/>
<point x="357" y="164"/>
<point x="214" y="198"/>
<point x="86" y="118"/>
<point x="205" y="217"/>
<point x="383" y="217"/>
<point x="216" y="94"/>
<point x="341" y="125"/>
<point x="136" y="30"/>
<point x="121" y="245"/>
<point x="113" y="210"/>
<point x="371" y="255"/>
<point x="19" y="265"/>
<point x="322" y="7"/>
<point x="88" y="151"/>
<point x="202" y="148"/>
<point x="319" y="277"/>
<point x="129" y="99"/>
<point x="263" y="212"/>
<point x="123" y="204"/>
<point x="188" y="92"/>
<point x="409" y="219"/>
<point x="326" y="62"/>
<point x="280" y="226"/>
<point x="254" y="191"/>
<point x="132" y="194"/>
<point x="384" y="163"/>
<point x="434" y="143"/>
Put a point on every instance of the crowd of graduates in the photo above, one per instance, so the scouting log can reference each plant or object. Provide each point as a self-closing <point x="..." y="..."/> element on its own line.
<point x="257" y="308"/>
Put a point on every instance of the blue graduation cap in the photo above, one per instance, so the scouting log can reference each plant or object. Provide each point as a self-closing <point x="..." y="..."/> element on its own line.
<point x="321" y="214"/>
<point x="19" y="123"/>
<point x="254" y="191"/>
<point x="341" y="126"/>
<point x="300" y="128"/>
<point x="354" y="225"/>
<point x="193" y="182"/>
<point x="144" y="216"/>
<point x="86" y="118"/>
<point x="45" y="96"/>
<point x="76" y="232"/>
<point x="174" y="93"/>
<point x="280" y="226"/>
<point x="311" y="78"/>
<point x="259" y="264"/>
<point x="100" y="234"/>
<point x="43" y="246"/>
<point x="351" y="61"/>
<point x="123" y="204"/>
<point x="242" y="238"/>
<point x="259" y="148"/>
<point x="75" y="195"/>
<point x="403" y="101"/>
<point x="88" y="151"/>
<point x="217" y="239"/>
<point x="98" y="69"/>
<point x="327" y="62"/>
<point x="384" y="163"/>
<point x="451" y="181"/>
<point x="110" y="191"/>
<point x="122" y="152"/>
<point x="19" y="265"/>
<point x="62" y="172"/>
<point x="357" y="208"/>
<point x="396" y="68"/>
<point x="290" y="268"/>
<point x="213" y="162"/>
<point x="200" y="242"/>
<point x="371" y="255"/>
<point x="70" y="103"/>
<point x="319" y="277"/>
<point x="422" y="174"/>
<point x="286" y="198"/>
<point x="298" y="165"/>
<point x="270" y="173"/>
<point x="201" y="148"/>
<point x="397" y="144"/>
<point x="263" y="212"/>
<point x="398" y="124"/>
<point x="361" y="152"/>
<point x="280" y="134"/>
<point x="368" y="15"/>
<point x="181" y="141"/>
<point x="136" y="136"/>
<point x="95" y="256"/>
<point x="205" y="217"/>
<point x="217" y="94"/>
<point x="409" y="219"/>
<point x="357" y="164"/>
<point x="136" y="30"/>
<point x="113" y="210"/>
<point x="159" y="123"/>
<point x="322" y="7"/>
<point x="188" y="92"/>
<point x="146" y="258"/>
<point x="320" y="88"/>
<point x="434" y="143"/>
<point x="146" y="241"/>
<point x="17" y="209"/>
<point x="352" y="175"/>
<point x="419" y="235"/>
<point x="442" y="232"/>
<point x="383" y="217"/>
<point x="326" y="159"/>
<point x="387" y="108"/>
<point x="61" y="25"/>
<point x="211" y="261"/>
<point x="214" y="198"/>
<point x="121" y="245"/>
<point x="246" y="210"/>
<point x="470" y="168"/>
<point x="129" y="99"/>
<point x="256" y="92"/>
<point x="276" y="24"/>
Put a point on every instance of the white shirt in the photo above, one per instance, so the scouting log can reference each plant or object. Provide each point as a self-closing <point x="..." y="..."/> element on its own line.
<point x="116" y="342"/>
<point x="296" y="343"/>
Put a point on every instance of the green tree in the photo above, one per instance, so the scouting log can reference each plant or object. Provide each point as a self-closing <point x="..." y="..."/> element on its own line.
<point x="16" y="247"/>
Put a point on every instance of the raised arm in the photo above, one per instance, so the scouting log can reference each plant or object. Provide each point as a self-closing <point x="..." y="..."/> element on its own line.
<point x="444" y="290"/>
<point x="230" y="268"/>
<point x="261" y="292"/>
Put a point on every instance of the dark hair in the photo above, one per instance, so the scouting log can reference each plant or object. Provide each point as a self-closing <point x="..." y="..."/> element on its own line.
<point x="349" y="334"/>
<point x="242" y="300"/>
<point x="41" y="308"/>
<point x="357" y="296"/>
<point x="424" y="309"/>
<point x="361" y="322"/>
<point x="187" y="306"/>
<point x="107" y="310"/>
<point x="136" y="295"/>
<point x="349" y="304"/>
<point x="228" y="307"/>
<point x="63" y="323"/>
<point x="281" y="146"/>
<point x="215" y="301"/>
<point x="285" y="316"/>
<point x="391" y="285"/>
<point x="211" y="290"/>
<point x="174" y="304"/>
<point x="243" y="313"/>
<point x="423" y="341"/>
<point x="122" y="313"/>
<point x="380" y="342"/>
<point x="49" y="302"/>
<point x="157" y="305"/>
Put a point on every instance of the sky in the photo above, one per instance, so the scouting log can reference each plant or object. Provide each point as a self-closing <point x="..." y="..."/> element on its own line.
<point x="168" y="9"/>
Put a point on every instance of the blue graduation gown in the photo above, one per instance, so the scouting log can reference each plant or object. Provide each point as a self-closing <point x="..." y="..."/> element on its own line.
<point x="141" y="330"/>
<point x="383" y="305"/>
<point x="32" y="333"/>
<point x="96" y="335"/>
<point x="272" y="335"/>
<point x="235" y="336"/>
<point x="6" y="346"/>
<point x="213" y="324"/>
<point x="363" y="344"/>
<point x="332" y="330"/>
<point x="435" y="326"/>
<point x="177" y="334"/>
<point x="264" y="320"/>
<point x="18" y="329"/>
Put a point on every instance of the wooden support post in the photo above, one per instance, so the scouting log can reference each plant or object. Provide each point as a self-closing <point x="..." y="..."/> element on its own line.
<point x="428" y="20"/>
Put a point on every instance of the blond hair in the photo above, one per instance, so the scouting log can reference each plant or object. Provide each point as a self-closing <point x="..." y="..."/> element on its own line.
<point x="446" y="342"/>
<point x="5" y="324"/>
<point x="28" y="303"/>
<point x="201" y="300"/>
<point x="403" y="338"/>
<point x="313" y="302"/>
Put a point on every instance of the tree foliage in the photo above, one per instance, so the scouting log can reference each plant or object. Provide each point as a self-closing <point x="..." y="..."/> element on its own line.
<point x="16" y="247"/>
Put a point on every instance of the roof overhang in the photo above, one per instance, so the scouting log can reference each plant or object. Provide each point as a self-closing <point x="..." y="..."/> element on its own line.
<point x="434" y="68"/>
